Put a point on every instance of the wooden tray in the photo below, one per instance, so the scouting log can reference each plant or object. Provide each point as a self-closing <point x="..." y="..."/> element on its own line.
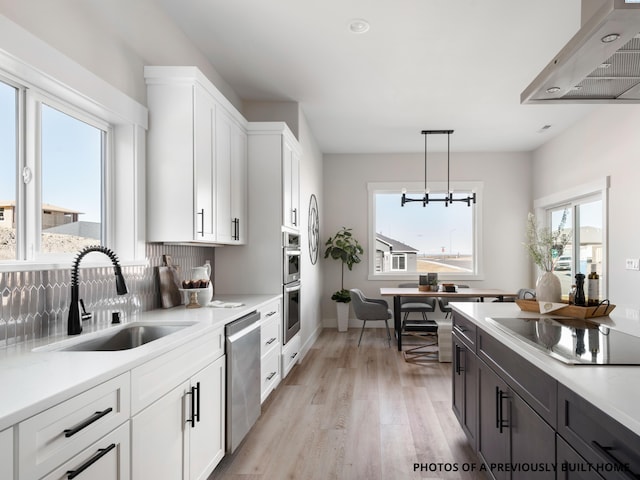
<point x="602" y="310"/>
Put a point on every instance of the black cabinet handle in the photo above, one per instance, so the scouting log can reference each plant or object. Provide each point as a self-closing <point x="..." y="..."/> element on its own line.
<point x="606" y="451"/>
<point x="457" y="359"/>
<point x="271" y="375"/>
<point x="192" y="419"/>
<point x="201" y="232"/>
<point x="294" y="355"/>
<point x="501" y="423"/>
<point x="99" y="454"/>
<point x="271" y="340"/>
<point x="294" y="218"/>
<point x="460" y="329"/>
<point x="197" y="402"/>
<point x="69" y="432"/>
<point x="270" y="314"/>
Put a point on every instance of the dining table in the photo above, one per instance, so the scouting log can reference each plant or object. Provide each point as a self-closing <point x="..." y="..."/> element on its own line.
<point x="398" y="292"/>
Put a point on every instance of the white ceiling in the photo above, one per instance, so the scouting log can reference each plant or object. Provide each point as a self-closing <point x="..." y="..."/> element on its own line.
<point x="424" y="64"/>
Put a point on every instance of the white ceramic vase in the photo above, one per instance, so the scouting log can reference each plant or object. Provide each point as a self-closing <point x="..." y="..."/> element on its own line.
<point x="343" y="316"/>
<point x="548" y="288"/>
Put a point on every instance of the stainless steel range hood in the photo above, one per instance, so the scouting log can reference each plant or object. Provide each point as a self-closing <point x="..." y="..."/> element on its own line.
<point x="595" y="66"/>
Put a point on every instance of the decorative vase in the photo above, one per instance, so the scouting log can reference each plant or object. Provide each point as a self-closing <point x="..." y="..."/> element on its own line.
<point x="548" y="288"/>
<point x="343" y="316"/>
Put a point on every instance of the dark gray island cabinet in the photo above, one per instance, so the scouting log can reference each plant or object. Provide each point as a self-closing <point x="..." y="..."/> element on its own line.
<point x="524" y="424"/>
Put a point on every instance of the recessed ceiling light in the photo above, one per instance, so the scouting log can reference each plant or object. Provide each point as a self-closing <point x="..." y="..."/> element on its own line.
<point x="358" y="26"/>
<point x="612" y="37"/>
<point x="553" y="89"/>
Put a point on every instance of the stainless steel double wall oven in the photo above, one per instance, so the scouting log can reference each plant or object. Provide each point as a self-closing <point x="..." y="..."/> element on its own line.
<point x="291" y="284"/>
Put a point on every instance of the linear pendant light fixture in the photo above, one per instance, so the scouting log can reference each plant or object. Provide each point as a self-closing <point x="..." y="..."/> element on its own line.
<point x="448" y="197"/>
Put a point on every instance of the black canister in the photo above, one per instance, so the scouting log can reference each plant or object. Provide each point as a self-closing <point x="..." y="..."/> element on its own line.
<point x="580" y="299"/>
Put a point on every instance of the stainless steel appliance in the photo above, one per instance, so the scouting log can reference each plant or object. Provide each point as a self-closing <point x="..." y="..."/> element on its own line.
<point x="291" y="311"/>
<point x="243" y="377"/>
<point x="290" y="257"/>
<point x="574" y="341"/>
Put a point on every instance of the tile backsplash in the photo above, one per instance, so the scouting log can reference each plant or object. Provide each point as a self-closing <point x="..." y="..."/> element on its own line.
<point x="35" y="304"/>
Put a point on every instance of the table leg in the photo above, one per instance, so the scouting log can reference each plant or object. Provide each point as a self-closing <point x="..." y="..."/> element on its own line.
<point x="396" y="320"/>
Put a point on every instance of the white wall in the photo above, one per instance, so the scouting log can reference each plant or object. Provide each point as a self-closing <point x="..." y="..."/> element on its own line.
<point x="114" y="39"/>
<point x="506" y="202"/>
<point x="604" y="143"/>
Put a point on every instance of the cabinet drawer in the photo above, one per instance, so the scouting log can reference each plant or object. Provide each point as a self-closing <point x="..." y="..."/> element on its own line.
<point x="270" y="373"/>
<point x="48" y="439"/>
<point x="537" y="388"/>
<point x="269" y="334"/>
<point x="596" y="436"/>
<point x="290" y="355"/>
<point x="465" y="329"/>
<point x="270" y="310"/>
<point x="108" y="458"/>
<point x="570" y="465"/>
<point x="152" y="380"/>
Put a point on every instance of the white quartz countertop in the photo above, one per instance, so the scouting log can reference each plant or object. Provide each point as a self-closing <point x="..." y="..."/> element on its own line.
<point x="34" y="376"/>
<point x="613" y="389"/>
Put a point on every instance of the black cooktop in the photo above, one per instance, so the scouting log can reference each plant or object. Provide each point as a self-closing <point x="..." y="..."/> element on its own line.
<point x="574" y="341"/>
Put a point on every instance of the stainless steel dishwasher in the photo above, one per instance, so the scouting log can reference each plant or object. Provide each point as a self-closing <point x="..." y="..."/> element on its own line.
<point x="243" y="377"/>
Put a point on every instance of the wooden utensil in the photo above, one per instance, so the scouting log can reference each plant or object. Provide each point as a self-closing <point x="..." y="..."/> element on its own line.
<point x="169" y="280"/>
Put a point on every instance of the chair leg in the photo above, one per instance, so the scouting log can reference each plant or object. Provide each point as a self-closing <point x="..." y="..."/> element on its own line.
<point x="364" y="322"/>
<point x="388" y="333"/>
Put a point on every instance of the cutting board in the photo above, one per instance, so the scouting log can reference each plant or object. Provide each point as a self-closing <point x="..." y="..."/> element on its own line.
<point x="169" y="280"/>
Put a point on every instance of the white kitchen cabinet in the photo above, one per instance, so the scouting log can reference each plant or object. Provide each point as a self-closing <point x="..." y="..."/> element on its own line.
<point x="273" y="169"/>
<point x="59" y="433"/>
<point x="231" y="179"/>
<point x="188" y="191"/>
<point x="178" y="425"/>
<point x="106" y="459"/>
<point x="181" y="435"/>
<point x="270" y="347"/>
<point x="6" y="454"/>
<point x="290" y="354"/>
<point x="290" y="184"/>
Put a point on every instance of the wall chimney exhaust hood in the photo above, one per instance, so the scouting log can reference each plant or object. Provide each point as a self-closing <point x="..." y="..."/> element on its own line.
<point x="600" y="64"/>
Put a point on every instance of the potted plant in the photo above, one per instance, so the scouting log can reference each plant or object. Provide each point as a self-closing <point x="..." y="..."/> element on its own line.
<point x="545" y="247"/>
<point x="344" y="247"/>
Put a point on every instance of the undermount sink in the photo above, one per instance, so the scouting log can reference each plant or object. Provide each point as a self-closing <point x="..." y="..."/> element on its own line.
<point x="126" y="338"/>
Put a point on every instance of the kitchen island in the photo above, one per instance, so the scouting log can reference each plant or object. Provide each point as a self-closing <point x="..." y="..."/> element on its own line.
<point x="520" y="406"/>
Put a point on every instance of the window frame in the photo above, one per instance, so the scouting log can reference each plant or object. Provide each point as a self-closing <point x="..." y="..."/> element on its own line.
<point x="572" y="198"/>
<point x="34" y="66"/>
<point x="417" y="188"/>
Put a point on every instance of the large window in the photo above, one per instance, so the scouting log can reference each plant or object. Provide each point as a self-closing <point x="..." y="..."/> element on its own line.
<point x="58" y="208"/>
<point x="8" y="166"/>
<point x="585" y="209"/>
<point x="413" y="239"/>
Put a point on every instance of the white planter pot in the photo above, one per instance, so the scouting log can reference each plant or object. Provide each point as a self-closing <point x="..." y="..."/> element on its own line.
<point x="548" y="288"/>
<point x="343" y="316"/>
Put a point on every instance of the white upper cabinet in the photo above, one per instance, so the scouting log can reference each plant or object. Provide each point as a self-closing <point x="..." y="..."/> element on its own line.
<point x="196" y="160"/>
<point x="290" y="184"/>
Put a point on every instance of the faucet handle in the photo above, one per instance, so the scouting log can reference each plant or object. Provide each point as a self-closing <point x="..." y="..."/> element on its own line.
<point x="85" y="315"/>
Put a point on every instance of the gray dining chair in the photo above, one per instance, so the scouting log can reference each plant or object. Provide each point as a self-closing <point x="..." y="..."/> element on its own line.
<point x="443" y="303"/>
<point x="421" y="305"/>
<point x="370" y="309"/>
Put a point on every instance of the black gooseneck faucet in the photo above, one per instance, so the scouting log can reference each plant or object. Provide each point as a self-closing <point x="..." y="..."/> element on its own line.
<point x="74" y="322"/>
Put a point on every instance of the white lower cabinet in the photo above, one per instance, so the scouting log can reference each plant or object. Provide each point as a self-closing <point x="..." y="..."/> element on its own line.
<point x="6" y="454"/>
<point x="290" y="354"/>
<point x="270" y="347"/>
<point x="56" y="435"/>
<point x="181" y="435"/>
<point x="106" y="459"/>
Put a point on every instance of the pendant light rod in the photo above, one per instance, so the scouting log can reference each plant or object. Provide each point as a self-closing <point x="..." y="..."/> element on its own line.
<point x="448" y="197"/>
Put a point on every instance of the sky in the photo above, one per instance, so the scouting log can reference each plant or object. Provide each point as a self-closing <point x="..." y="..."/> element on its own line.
<point x="71" y="153"/>
<point x="433" y="229"/>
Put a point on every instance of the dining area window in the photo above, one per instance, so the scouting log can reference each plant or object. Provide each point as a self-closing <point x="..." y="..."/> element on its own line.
<point x="412" y="239"/>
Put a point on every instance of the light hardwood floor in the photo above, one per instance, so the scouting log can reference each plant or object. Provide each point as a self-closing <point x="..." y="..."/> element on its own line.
<point x="353" y="413"/>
